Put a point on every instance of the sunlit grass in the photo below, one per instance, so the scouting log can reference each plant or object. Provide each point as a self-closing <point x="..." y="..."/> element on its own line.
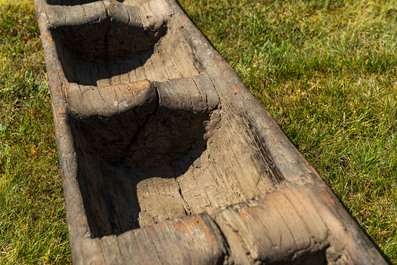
<point x="32" y="217"/>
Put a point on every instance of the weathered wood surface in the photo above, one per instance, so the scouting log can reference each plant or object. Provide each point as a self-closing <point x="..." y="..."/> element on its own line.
<point x="166" y="157"/>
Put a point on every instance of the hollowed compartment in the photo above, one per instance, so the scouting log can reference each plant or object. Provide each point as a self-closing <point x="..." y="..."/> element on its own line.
<point x="116" y="154"/>
<point x="112" y="52"/>
<point x="144" y="166"/>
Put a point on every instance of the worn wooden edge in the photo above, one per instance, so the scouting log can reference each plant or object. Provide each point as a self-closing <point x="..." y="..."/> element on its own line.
<point x="77" y="223"/>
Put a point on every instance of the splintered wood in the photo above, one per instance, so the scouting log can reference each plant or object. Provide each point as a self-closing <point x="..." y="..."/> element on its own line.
<point x="166" y="157"/>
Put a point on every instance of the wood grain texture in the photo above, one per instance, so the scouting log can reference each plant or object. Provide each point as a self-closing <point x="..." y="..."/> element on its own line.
<point x="166" y="157"/>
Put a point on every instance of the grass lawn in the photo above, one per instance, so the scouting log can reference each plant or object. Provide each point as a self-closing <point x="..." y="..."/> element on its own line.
<point x="326" y="70"/>
<point x="32" y="216"/>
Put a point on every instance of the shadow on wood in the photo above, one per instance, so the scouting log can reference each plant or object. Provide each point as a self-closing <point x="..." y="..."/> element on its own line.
<point x="165" y="155"/>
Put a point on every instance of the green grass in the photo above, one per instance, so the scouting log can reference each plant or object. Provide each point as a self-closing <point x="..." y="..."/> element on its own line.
<point x="32" y="215"/>
<point x="326" y="70"/>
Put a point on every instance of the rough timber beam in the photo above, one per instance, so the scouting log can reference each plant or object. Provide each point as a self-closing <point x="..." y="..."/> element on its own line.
<point x="167" y="158"/>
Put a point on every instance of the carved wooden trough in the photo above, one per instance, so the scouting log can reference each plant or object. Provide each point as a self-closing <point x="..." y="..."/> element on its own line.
<point x="167" y="158"/>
